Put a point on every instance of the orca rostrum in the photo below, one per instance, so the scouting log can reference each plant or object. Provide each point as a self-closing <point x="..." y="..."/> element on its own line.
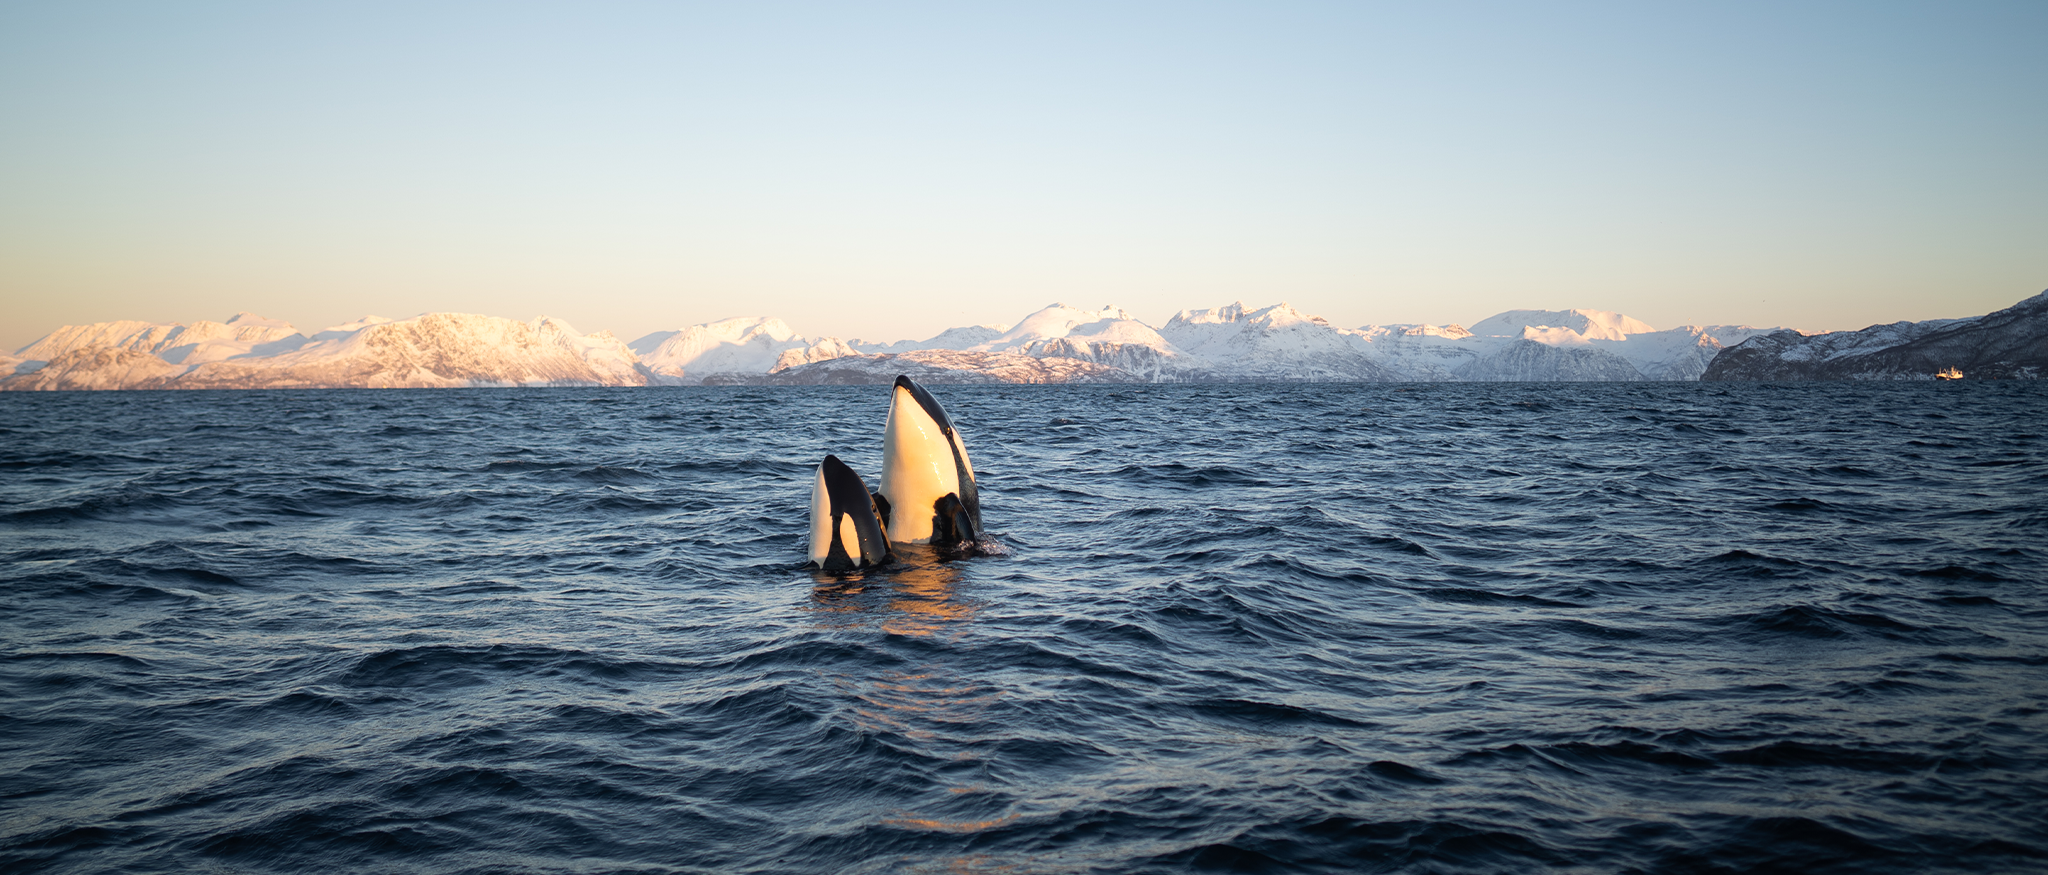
<point x="846" y="532"/>
<point x="928" y="494"/>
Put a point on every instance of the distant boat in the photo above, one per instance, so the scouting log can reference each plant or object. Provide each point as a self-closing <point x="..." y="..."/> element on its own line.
<point x="1948" y="374"/>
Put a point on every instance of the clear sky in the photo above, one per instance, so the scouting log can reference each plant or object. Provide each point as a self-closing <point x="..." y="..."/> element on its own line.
<point x="888" y="170"/>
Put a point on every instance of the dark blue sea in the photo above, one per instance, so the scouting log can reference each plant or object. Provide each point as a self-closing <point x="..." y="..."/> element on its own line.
<point x="1656" y="628"/>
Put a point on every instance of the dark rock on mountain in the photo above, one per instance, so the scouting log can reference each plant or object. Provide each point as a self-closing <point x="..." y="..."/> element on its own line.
<point x="2010" y="344"/>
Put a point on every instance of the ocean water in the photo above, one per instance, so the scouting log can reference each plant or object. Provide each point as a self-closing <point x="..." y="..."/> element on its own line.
<point x="1318" y="628"/>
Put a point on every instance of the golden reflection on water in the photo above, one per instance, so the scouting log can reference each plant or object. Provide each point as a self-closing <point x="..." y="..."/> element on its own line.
<point x="914" y="596"/>
<point x="926" y="823"/>
<point x="947" y="715"/>
<point x="924" y="603"/>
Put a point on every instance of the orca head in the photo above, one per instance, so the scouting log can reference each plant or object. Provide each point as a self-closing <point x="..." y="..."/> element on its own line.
<point x="846" y="533"/>
<point x="923" y="463"/>
<point x="908" y="388"/>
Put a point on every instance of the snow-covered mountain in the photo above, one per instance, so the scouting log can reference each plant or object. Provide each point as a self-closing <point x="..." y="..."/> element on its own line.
<point x="963" y="337"/>
<point x="435" y="350"/>
<point x="1554" y="345"/>
<point x="1057" y="343"/>
<point x="1584" y="324"/>
<point x="1061" y="322"/>
<point x="176" y="343"/>
<point x="730" y="351"/>
<point x="2007" y="344"/>
<point x="1232" y="343"/>
<point x="1274" y="343"/>
<point x="1107" y="337"/>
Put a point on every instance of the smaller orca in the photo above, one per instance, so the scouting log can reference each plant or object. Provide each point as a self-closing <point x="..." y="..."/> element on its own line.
<point x="846" y="532"/>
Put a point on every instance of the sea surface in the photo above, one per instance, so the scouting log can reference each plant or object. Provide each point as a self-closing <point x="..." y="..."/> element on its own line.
<point x="1658" y="628"/>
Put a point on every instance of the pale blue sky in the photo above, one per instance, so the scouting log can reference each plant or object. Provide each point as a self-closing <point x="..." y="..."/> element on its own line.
<point x="889" y="170"/>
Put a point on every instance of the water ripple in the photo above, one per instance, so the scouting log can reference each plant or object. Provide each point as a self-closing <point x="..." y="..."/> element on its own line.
<point x="1456" y="628"/>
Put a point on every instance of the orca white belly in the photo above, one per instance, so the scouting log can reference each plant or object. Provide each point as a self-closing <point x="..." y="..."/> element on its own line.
<point x="923" y="462"/>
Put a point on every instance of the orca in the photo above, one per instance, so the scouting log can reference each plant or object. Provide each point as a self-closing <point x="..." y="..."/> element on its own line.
<point x="928" y="494"/>
<point x="846" y="532"/>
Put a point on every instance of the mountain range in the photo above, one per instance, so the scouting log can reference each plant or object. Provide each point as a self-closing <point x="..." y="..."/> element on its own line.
<point x="2008" y="344"/>
<point x="1056" y="344"/>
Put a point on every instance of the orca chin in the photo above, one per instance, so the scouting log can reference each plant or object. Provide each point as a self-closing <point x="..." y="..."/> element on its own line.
<point x="928" y="494"/>
<point x="846" y="532"/>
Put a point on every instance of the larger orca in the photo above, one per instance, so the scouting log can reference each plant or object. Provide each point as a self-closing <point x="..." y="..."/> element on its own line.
<point x="928" y="494"/>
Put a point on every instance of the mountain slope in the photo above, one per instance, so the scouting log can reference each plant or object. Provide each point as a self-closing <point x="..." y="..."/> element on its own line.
<point x="1587" y="324"/>
<point x="1556" y="345"/>
<point x="729" y="351"/>
<point x="2008" y="344"/>
<point x="436" y="350"/>
<point x="177" y="343"/>
<point x="963" y="337"/>
<point x="96" y="367"/>
<point x="1528" y="361"/>
<point x="1107" y="337"/>
<point x="1274" y="343"/>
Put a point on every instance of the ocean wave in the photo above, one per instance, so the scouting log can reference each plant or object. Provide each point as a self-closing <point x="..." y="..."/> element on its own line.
<point x="1464" y="628"/>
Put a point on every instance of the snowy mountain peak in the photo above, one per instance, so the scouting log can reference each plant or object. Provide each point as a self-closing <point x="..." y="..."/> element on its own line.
<point x="1060" y="320"/>
<point x="741" y="345"/>
<point x="1279" y="315"/>
<point x="1277" y="342"/>
<point x="430" y="350"/>
<point x="826" y="349"/>
<point x="174" y="342"/>
<point x="737" y="330"/>
<point x="963" y="337"/>
<point x="1587" y="324"/>
<point x="1415" y="329"/>
<point x="1228" y="313"/>
<point x="246" y="319"/>
<point x="749" y="329"/>
<point x="345" y="329"/>
<point x="1108" y="311"/>
<point x="1282" y="315"/>
<point x="550" y="323"/>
